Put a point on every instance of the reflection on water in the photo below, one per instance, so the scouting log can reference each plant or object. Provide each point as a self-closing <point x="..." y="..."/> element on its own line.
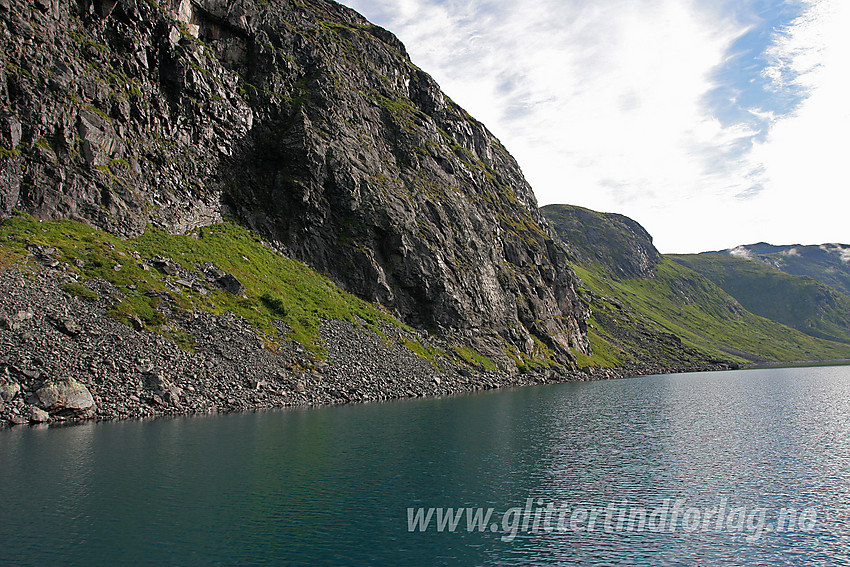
<point x="333" y="485"/>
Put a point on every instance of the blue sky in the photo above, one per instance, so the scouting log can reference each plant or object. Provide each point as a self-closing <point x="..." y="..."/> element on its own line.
<point x="711" y="122"/>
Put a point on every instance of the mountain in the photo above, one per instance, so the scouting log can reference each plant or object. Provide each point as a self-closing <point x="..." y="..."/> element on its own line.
<point x="668" y="310"/>
<point x="827" y="263"/>
<point x="213" y="206"/>
<point x="306" y="124"/>
<point x="798" y="301"/>
<point x="615" y="243"/>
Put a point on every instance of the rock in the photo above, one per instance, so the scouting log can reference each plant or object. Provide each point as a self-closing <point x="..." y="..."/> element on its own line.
<point x="164" y="390"/>
<point x="66" y="398"/>
<point x="166" y="266"/>
<point x="31" y="373"/>
<point x="24" y="315"/>
<point x="68" y="326"/>
<point x="61" y="77"/>
<point x="211" y="271"/>
<point x="8" y="390"/>
<point x="38" y="415"/>
<point x="99" y="142"/>
<point x="18" y="420"/>
<point x="44" y="254"/>
<point x="135" y="322"/>
<point x="11" y="171"/>
<point x="230" y="284"/>
<point x="7" y="324"/>
<point x="104" y="7"/>
<point x="10" y="132"/>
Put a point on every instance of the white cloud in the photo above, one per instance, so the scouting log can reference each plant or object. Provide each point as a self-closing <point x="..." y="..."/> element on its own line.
<point x="805" y="154"/>
<point x="741" y="252"/>
<point x="602" y="102"/>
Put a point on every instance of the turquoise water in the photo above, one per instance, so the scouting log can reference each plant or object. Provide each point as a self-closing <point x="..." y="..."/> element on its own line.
<point x="333" y="486"/>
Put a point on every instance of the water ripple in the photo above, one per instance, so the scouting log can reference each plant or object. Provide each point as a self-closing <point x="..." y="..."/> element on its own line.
<point x="333" y="486"/>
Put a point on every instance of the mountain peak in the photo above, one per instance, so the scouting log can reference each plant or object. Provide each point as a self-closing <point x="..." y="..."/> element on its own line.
<point x="621" y="245"/>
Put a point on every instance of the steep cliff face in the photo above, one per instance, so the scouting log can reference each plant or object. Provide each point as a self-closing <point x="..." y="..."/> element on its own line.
<point x="304" y="121"/>
<point x="618" y="244"/>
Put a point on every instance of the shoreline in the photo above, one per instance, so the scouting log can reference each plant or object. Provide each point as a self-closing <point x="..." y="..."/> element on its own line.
<point x="485" y="382"/>
<point x="796" y="364"/>
<point x="65" y="360"/>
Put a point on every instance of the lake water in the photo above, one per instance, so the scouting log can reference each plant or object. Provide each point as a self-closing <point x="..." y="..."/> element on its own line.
<point x="732" y="468"/>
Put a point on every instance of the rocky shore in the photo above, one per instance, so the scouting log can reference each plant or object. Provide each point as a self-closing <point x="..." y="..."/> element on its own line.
<point x="66" y="359"/>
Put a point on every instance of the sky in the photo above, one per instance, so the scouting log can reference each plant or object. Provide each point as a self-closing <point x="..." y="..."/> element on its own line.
<point x="713" y="123"/>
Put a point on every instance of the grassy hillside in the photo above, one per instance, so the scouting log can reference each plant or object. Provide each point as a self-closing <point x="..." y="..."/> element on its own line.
<point x="827" y="263"/>
<point x="671" y="314"/>
<point x="276" y="287"/>
<point x="797" y="301"/>
<point x="705" y="318"/>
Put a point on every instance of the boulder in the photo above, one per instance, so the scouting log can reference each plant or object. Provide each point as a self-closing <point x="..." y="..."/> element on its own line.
<point x="230" y="284"/>
<point x="17" y="419"/>
<point x="38" y="415"/>
<point x="211" y="270"/>
<point x="66" y="398"/>
<point x="163" y="388"/>
<point x="166" y="265"/>
<point x="68" y="326"/>
<point x="8" y="390"/>
<point x="7" y="324"/>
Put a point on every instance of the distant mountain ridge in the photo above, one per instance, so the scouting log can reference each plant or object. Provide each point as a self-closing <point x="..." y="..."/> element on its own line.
<point x="827" y="263"/>
<point x="799" y="301"/>
<point x="645" y="306"/>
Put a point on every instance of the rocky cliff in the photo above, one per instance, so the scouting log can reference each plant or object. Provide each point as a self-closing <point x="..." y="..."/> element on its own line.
<point x="616" y="243"/>
<point x="303" y="121"/>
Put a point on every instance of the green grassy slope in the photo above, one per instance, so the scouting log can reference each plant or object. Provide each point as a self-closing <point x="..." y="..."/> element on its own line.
<point x="670" y="314"/>
<point x="276" y="287"/>
<point x="705" y="318"/>
<point x="827" y="263"/>
<point x="797" y="301"/>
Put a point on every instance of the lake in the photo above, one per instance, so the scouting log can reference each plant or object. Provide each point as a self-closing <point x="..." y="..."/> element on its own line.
<point x="719" y="468"/>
